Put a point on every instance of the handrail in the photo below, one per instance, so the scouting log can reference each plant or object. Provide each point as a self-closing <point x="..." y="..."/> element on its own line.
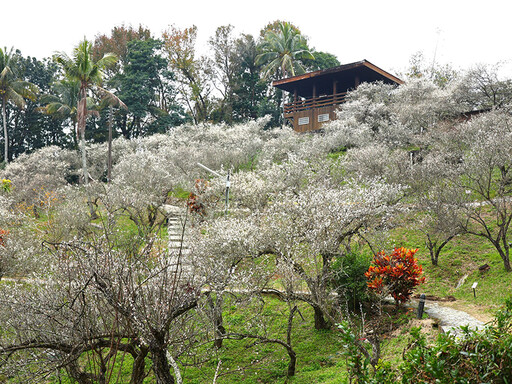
<point x="323" y="101"/>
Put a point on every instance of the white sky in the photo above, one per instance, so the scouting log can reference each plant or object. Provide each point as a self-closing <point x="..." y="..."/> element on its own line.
<point x="387" y="33"/>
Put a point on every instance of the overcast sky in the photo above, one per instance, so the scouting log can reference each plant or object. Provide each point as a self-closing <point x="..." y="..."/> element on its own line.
<point x="387" y="33"/>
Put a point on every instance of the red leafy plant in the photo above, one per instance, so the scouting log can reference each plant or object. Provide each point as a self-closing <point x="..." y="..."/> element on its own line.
<point x="194" y="201"/>
<point x="397" y="273"/>
<point x="3" y="236"/>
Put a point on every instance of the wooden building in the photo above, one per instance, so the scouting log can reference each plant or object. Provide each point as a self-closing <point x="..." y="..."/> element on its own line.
<point x="317" y="94"/>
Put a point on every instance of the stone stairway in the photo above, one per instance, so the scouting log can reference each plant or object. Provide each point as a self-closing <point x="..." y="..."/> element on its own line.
<point x="177" y="247"/>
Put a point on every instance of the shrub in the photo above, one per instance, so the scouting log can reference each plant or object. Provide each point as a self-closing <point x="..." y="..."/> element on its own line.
<point x="397" y="273"/>
<point x="6" y="185"/>
<point x="349" y="279"/>
<point x="3" y="236"/>
<point x="476" y="358"/>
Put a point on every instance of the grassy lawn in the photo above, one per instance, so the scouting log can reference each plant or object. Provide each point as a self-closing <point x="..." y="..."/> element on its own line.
<point x="244" y="361"/>
<point x="462" y="256"/>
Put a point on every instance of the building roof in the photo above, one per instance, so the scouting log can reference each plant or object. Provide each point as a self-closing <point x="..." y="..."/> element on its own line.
<point x="345" y="76"/>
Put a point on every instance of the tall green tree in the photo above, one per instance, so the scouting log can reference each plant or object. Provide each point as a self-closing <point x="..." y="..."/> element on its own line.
<point x="250" y="99"/>
<point x="193" y="75"/>
<point x="224" y="65"/>
<point x="12" y="89"/>
<point x="322" y="60"/>
<point x="89" y="74"/>
<point x="33" y="129"/>
<point x="283" y="51"/>
<point x="146" y="87"/>
<point x="117" y="43"/>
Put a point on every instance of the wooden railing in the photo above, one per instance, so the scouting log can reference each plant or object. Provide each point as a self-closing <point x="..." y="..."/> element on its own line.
<point x="323" y="101"/>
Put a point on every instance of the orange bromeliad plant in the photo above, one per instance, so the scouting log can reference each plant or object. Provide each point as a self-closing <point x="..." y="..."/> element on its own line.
<point x="397" y="273"/>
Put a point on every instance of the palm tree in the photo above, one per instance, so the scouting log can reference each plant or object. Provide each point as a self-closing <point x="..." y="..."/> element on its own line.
<point x="63" y="104"/>
<point x="89" y="75"/>
<point x="12" y="89"/>
<point x="282" y="51"/>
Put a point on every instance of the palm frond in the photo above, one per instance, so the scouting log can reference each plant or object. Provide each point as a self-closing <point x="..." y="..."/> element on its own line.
<point x="287" y="46"/>
<point x="110" y="99"/>
<point x="26" y="89"/>
<point x="14" y="97"/>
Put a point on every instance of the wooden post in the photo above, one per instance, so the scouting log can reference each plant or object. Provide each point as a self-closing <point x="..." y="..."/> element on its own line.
<point x="312" y="121"/>
<point x="357" y="81"/>
<point x="334" y="91"/>
<point x="421" y="306"/>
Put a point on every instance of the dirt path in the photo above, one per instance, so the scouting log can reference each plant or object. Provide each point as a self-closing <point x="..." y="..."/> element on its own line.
<point x="474" y="310"/>
<point x="450" y="319"/>
<point x="453" y="315"/>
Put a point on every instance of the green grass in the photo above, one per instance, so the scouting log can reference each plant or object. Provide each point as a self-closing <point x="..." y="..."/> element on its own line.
<point x="463" y="255"/>
<point x="179" y="193"/>
<point x="318" y="357"/>
<point x="318" y="352"/>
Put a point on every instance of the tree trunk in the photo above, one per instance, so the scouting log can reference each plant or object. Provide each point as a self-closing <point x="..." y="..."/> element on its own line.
<point x="161" y="367"/>
<point x="109" y="156"/>
<point x="6" y="137"/>
<point x="292" y="363"/>
<point x="291" y="352"/>
<point x="81" y="121"/>
<point x="138" y="367"/>
<point x="74" y="371"/>
<point x="503" y="252"/>
<point x="506" y="263"/>
<point x="320" y="322"/>
<point x="85" y="174"/>
<point x="434" y="255"/>
<point x="76" y="136"/>
<point x="216" y="308"/>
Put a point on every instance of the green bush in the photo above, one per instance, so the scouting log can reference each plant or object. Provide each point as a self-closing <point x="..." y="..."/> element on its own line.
<point x="478" y="357"/>
<point x="349" y="280"/>
<point x="475" y="357"/>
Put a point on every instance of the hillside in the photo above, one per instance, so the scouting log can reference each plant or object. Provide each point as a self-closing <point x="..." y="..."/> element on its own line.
<point x="105" y="283"/>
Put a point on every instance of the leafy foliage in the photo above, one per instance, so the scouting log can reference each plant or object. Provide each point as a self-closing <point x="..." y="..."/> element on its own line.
<point x="6" y="185"/>
<point x="193" y="74"/>
<point x="117" y="43"/>
<point x="480" y="356"/>
<point x="349" y="279"/>
<point x="358" y="359"/>
<point x="320" y="60"/>
<point x="145" y="86"/>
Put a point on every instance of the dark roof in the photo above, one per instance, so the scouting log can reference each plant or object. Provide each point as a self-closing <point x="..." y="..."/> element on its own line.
<point x="344" y="74"/>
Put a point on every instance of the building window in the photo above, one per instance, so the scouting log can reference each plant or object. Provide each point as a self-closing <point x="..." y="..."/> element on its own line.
<point x="323" y="117"/>
<point x="303" y="120"/>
